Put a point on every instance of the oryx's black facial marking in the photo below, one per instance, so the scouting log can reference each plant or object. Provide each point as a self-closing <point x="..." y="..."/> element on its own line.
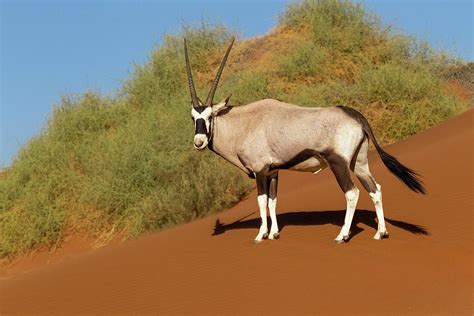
<point x="200" y="109"/>
<point x="201" y="127"/>
<point x="202" y="117"/>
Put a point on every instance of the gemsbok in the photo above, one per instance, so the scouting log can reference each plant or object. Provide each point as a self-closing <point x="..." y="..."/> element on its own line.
<point x="266" y="136"/>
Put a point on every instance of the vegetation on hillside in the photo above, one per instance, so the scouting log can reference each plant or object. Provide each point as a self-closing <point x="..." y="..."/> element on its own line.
<point x="124" y="165"/>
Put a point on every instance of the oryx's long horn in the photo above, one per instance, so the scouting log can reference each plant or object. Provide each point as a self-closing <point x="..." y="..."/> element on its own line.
<point x="210" y="96"/>
<point x="194" y="96"/>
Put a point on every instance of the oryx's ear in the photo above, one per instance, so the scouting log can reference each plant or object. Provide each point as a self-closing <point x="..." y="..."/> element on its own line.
<point x="216" y="108"/>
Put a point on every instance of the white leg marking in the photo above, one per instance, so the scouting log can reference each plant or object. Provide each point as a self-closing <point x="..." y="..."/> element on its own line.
<point x="272" y="209"/>
<point x="262" y="205"/>
<point x="352" y="196"/>
<point x="377" y="199"/>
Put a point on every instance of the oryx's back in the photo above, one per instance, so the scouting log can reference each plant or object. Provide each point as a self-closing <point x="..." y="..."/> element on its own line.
<point x="285" y="130"/>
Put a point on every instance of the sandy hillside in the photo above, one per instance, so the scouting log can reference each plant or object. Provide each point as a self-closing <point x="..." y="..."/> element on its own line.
<point x="212" y="266"/>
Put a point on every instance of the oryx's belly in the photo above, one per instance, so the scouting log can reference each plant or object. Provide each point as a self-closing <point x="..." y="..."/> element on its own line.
<point x="312" y="164"/>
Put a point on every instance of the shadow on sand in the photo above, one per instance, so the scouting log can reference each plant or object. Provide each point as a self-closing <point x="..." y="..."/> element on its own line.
<point x="320" y="218"/>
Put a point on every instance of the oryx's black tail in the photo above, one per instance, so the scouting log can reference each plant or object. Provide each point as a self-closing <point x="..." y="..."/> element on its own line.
<point x="405" y="174"/>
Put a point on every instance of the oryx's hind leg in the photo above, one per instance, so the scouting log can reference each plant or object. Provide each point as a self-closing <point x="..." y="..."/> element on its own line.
<point x="272" y="201"/>
<point x="361" y="169"/>
<point x="262" y="199"/>
<point x="340" y="168"/>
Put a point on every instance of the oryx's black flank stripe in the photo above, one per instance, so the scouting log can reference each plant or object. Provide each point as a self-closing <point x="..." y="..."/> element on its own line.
<point x="338" y="165"/>
<point x="299" y="158"/>
<point x="201" y="127"/>
<point x="405" y="174"/>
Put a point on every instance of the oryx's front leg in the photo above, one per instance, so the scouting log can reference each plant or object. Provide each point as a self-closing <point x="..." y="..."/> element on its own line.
<point x="272" y="201"/>
<point x="262" y="199"/>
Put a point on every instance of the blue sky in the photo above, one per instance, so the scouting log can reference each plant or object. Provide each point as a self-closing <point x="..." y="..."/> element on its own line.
<point x="52" y="48"/>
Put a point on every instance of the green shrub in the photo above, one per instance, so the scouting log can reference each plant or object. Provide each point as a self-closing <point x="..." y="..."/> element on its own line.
<point x="339" y="25"/>
<point x="305" y="60"/>
<point x="245" y="87"/>
<point x="393" y="83"/>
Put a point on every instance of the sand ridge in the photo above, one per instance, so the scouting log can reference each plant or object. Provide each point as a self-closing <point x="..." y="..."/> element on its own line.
<point x="211" y="266"/>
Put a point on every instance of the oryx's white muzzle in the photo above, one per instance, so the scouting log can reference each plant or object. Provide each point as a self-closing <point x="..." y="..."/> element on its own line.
<point x="200" y="141"/>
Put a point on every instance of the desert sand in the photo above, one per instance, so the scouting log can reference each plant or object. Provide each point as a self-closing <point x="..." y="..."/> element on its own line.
<point x="211" y="266"/>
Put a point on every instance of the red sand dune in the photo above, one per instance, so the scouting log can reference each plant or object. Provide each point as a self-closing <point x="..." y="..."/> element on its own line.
<point x="212" y="266"/>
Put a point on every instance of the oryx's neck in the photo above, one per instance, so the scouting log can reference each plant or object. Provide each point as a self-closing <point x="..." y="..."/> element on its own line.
<point x="228" y="129"/>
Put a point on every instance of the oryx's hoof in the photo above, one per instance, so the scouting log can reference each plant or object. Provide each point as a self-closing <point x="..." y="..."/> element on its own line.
<point x="274" y="236"/>
<point x="381" y="235"/>
<point x="257" y="241"/>
<point x="343" y="239"/>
